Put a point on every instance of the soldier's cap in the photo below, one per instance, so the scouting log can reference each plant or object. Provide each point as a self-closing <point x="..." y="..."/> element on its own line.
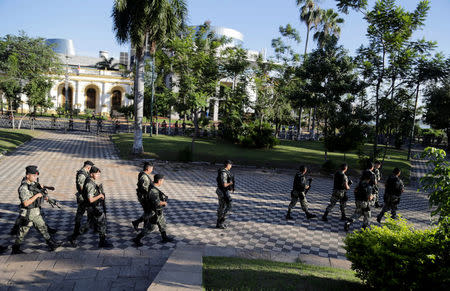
<point x="228" y="162"/>
<point x="88" y="163"/>
<point x="158" y="177"/>
<point x="94" y="170"/>
<point x="31" y="170"/>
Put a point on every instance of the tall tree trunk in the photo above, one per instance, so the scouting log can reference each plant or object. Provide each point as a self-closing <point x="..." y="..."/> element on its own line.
<point x="12" y="114"/>
<point x="299" y="123"/>
<point x="411" y="138"/>
<point x="309" y="119"/>
<point x="377" y="118"/>
<point x="138" y="105"/>
<point x="195" y="132"/>
<point x="313" y="127"/>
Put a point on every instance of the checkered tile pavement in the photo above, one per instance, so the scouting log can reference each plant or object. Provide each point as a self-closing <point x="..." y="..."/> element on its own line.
<point x="257" y="218"/>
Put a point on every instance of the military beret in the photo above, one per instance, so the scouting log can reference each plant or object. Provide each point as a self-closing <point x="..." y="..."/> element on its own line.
<point x="31" y="170"/>
<point x="89" y="163"/>
<point x="94" y="170"/>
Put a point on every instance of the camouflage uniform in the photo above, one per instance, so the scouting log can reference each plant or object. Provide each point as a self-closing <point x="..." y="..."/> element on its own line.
<point x="80" y="179"/>
<point x="392" y="193"/>
<point x="153" y="215"/>
<point x="362" y="199"/>
<point x="223" y="194"/>
<point x="376" y="190"/>
<point x="31" y="215"/>
<point x="299" y="193"/>
<point x="144" y="185"/>
<point x="339" y="194"/>
<point x="95" y="211"/>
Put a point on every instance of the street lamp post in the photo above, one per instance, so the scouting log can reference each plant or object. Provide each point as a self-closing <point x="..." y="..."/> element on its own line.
<point x="66" y="84"/>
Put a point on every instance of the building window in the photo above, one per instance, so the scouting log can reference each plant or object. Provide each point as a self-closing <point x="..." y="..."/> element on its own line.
<point x="90" y="98"/>
<point x="116" y="100"/>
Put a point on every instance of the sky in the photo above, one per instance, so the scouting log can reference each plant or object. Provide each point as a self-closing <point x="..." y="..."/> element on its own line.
<point x="89" y="25"/>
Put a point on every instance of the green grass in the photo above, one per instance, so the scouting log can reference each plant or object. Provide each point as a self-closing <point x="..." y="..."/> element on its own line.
<point x="12" y="138"/>
<point x="221" y="273"/>
<point x="289" y="154"/>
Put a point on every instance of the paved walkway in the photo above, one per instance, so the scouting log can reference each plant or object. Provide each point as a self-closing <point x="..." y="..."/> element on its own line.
<point x="257" y="220"/>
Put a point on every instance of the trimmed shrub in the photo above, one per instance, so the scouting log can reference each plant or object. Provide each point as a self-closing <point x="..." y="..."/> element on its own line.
<point x="398" y="256"/>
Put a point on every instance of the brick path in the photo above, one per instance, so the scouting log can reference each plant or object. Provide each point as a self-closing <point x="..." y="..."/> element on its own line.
<point x="257" y="220"/>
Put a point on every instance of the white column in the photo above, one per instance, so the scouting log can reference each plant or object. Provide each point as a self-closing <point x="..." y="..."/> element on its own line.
<point x="102" y="97"/>
<point x="216" y="109"/>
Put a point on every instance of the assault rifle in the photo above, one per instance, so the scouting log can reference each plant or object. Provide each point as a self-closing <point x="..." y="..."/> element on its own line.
<point x="309" y="184"/>
<point x="102" y="201"/>
<point x="36" y="187"/>
<point x="163" y="197"/>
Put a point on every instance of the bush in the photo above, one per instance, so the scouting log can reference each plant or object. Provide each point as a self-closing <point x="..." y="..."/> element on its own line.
<point x="397" y="256"/>
<point x="255" y="136"/>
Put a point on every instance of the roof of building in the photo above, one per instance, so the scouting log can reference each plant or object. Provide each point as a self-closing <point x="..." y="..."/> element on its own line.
<point x="83" y="61"/>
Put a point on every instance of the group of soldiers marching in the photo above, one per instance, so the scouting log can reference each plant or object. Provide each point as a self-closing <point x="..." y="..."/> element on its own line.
<point x="366" y="194"/>
<point x="90" y="198"/>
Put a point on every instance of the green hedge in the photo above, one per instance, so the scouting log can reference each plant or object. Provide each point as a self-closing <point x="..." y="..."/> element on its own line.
<point x="398" y="256"/>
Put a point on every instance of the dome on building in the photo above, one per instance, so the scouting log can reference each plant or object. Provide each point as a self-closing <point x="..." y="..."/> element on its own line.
<point x="62" y="46"/>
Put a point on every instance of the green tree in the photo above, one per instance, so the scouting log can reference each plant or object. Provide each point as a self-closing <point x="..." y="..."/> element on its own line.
<point x="197" y="67"/>
<point x="27" y="65"/>
<point x="437" y="104"/>
<point x="106" y="64"/>
<point x="437" y="182"/>
<point x="310" y="14"/>
<point x="145" y="23"/>
<point x="329" y="25"/>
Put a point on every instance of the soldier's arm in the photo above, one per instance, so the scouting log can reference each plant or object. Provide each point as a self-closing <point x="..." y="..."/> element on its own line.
<point x="91" y="191"/>
<point x="80" y="180"/>
<point x="224" y="180"/>
<point x="346" y="186"/>
<point x="27" y="198"/>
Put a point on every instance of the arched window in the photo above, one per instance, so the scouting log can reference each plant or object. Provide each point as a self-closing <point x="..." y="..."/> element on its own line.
<point x="116" y="100"/>
<point x="63" y="99"/>
<point x="90" y="98"/>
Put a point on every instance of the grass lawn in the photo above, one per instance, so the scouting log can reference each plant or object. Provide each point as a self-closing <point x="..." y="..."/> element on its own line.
<point x="220" y="273"/>
<point x="289" y="154"/>
<point x="12" y="138"/>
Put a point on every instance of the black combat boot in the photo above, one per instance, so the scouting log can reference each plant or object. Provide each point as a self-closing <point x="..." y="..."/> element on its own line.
<point x="324" y="216"/>
<point x="72" y="239"/>
<point x="135" y="224"/>
<point x="15" y="250"/>
<point x="222" y="222"/>
<point x="343" y="217"/>
<point x="309" y="215"/>
<point x="103" y="243"/>
<point x="288" y="215"/>
<point x="53" y="244"/>
<point x="51" y="230"/>
<point x="166" y="238"/>
<point x="137" y="241"/>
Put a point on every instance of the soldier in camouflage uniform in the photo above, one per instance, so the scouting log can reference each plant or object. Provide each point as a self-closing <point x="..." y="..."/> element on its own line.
<point x="95" y="198"/>
<point x="80" y="178"/>
<point x="30" y="212"/>
<point x="341" y="185"/>
<point x="392" y="192"/>
<point x="299" y="193"/>
<point x="377" y="173"/>
<point x="144" y="185"/>
<point x="153" y="202"/>
<point x="225" y="184"/>
<point x="363" y="196"/>
<point x="15" y="229"/>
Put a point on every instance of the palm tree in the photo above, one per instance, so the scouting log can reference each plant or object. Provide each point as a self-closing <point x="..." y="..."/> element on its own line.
<point x="329" y="23"/>
<point x="143" y="23"/>
<point x="106" y="64"/>
<point x="311" y="15"/>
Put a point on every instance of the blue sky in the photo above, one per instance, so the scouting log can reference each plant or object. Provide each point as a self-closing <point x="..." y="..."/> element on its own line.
<point x="89" y="25"/>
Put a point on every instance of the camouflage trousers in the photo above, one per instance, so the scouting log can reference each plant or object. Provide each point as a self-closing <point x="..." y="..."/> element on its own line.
<point x="390" y="203"/>
<point x="297" y="196"/>
<point x="81" y="209"/>
<point x="151" y="220"/>
<point x="34" y="219"/>
<point x="375" y="193"/>
<point x="97" y="220"/>
<point x="362" y="209"/>
<point x="338" y="196"/>
<point x="224" y="204"/>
